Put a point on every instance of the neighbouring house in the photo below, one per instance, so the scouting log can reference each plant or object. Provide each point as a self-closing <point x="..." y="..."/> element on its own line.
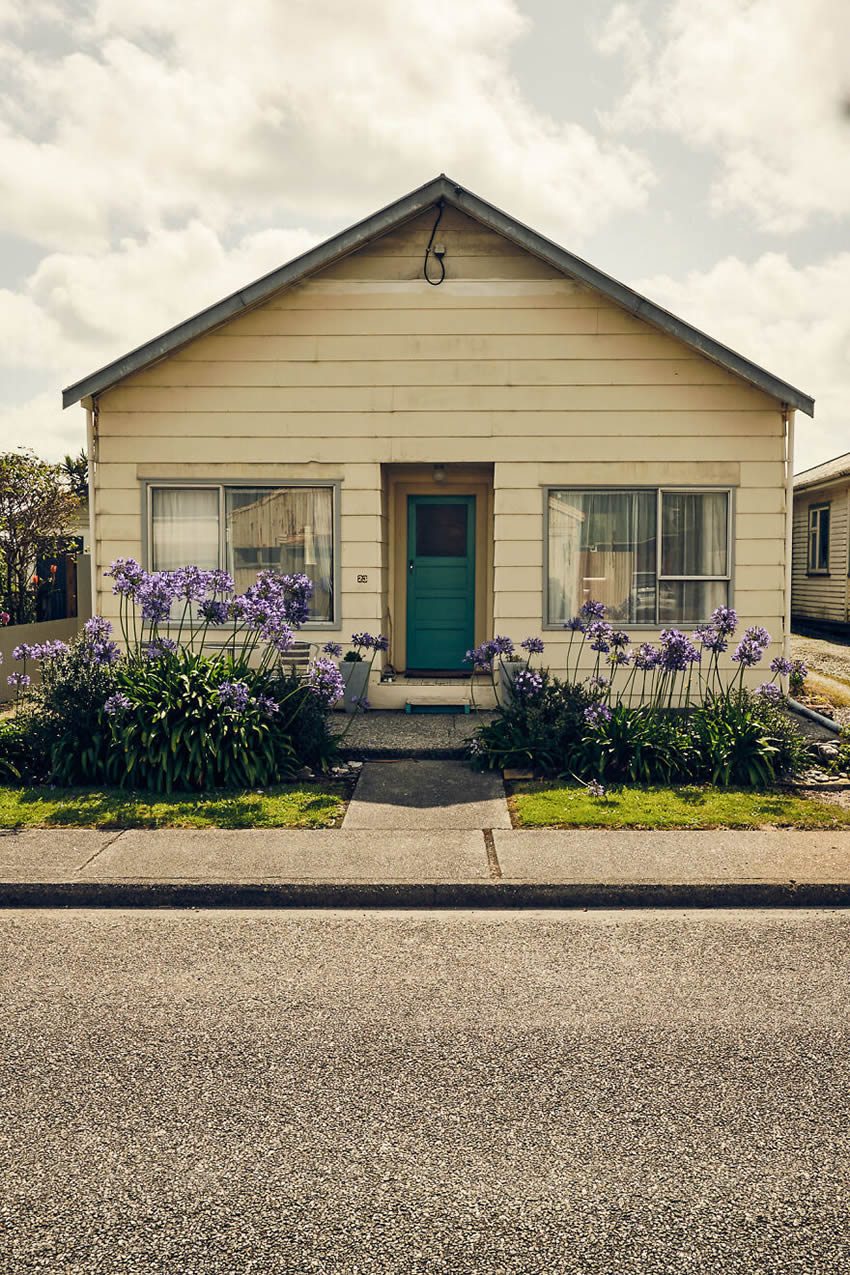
<point x="820" y="586"/>
<point x="454" y="427"/>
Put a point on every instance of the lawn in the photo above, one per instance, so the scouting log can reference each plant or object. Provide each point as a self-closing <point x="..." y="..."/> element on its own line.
<point x="540" y="804"/>
<point x="296" y="805"/>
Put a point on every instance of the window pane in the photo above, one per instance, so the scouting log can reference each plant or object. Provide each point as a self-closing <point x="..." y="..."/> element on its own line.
<point x="441" y="531"/>
<point x="285" y="529"/>
<point x="823" y="541"/>
<point x="693" y="533"/>
<point x="689" y="601"/>
<point x="602" y="546"/>
<point x="184" y="528"/>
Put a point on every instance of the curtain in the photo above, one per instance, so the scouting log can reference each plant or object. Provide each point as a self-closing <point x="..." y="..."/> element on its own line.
<point x="288" y="529"/>
<point x="693" y="533"/>
<point x="602" y="547"/>
<point x="184" y="528"/>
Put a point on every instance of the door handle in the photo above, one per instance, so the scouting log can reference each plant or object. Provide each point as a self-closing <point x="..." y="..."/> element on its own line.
<point x="410" y="565"/>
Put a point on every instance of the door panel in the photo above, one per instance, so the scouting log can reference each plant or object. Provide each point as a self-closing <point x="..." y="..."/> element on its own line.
<point x="440" y="581"/>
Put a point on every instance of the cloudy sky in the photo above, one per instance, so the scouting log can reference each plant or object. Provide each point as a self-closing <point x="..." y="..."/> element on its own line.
<point x="157" y="154"/>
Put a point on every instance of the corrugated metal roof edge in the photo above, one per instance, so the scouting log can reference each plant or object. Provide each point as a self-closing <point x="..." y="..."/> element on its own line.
<point x="385" y="220"/>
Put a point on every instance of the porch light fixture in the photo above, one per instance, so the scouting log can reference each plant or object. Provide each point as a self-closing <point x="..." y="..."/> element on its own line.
<point x="438" y="473"/>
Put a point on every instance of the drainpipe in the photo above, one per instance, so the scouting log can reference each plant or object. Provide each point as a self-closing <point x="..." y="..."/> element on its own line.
<point x="91" y="450"/>
<point x="788" y="419"/>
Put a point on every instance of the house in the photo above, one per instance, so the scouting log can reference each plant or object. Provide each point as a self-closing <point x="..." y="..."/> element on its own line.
<point x="456" y="428"/>
<point x="820" y="587"/>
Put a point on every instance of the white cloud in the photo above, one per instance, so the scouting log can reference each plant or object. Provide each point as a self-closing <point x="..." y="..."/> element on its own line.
<point x="41" y="424"/>
<point x="763" y="84"/>
<point x="793" y="321"/>
<point x="253" y="111"/>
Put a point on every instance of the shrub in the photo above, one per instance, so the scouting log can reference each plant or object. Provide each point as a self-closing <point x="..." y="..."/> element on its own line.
<point x="187" y="722"/>
<point x="641" y="745"/>
<point x="304" y="716"/>
<point x="542" y="730"/>
<point x="67" y="709"/>
<point x="24" y="756"/>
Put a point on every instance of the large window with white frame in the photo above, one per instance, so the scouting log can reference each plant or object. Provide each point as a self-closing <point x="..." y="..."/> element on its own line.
<point x="246" y="528"/>
<point x="818" y="557"/>
<point x="654" y="556"/>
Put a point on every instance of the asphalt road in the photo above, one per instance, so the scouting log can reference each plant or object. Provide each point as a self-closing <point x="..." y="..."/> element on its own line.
<point x="418" y="1092"/>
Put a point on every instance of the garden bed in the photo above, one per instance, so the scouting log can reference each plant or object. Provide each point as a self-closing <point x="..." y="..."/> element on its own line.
<point x="294" y="805"/>
<point x="546" y="804"/>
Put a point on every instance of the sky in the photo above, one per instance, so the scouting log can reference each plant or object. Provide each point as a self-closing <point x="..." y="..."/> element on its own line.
<point x="155" y="155"/>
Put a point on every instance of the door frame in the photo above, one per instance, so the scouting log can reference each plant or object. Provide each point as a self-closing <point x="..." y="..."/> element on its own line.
<point x="401" y="481"/>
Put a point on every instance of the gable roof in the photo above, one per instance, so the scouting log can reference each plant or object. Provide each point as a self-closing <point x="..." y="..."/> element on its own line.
<point x="838" y="467"/>
<point x="357" y="236"/>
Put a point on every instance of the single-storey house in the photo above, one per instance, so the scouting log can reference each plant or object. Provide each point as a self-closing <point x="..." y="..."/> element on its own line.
<point x="456" y="428"/>
<point x="820" y="584"/>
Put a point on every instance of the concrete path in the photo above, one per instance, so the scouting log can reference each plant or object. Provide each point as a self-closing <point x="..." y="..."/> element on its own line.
<point x="432" y="795"/>
<point x="437" y="867"/>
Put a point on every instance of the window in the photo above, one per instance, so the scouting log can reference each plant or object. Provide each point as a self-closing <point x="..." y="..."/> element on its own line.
<point x="654" y="557"/>
<point x="819" y="539"/>
<point x="245" y="530"/>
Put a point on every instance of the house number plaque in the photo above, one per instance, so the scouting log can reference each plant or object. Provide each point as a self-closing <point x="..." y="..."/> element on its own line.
<point x="362" y="579"/>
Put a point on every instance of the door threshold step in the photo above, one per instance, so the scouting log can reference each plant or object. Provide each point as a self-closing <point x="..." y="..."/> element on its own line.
<point x="426" y="706"/>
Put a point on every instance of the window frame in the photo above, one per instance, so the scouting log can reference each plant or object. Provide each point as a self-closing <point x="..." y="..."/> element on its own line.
<point x="671" y="488"/>
<point x="221" y="485"/>
<point x="818" y="509"/>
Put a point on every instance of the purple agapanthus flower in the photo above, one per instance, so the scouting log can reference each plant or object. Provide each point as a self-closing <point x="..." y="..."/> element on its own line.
<point x="52" y="650"/>
<point x="361" y="702"/>
<point x="725" y="620"/>
<point x="19" y="679"/>
<point x="159" y="648"/>
<point x="155" y="595"/>
<point x="332" y="648"/>
<point x="362" y="641"/>
<point x="710" y="638"/>
<point x="769" y="691"/>
<point x="596" y="714"/>
<point x="213" y="612"/>
<point x="619" y="639"/>
<point x="781" y="667"/>
<point x="534" y="645"/>
<point x="616" y="658"/>
<point x="647" y="657"/>
<point x="325" y="680"/>
<point x="480" y="658"/>
<point x="599" y="635"/>
<point x="25" y="651"/>
<point x="501" y="646"/>
<point x="267" y="706"/>
<point x="117" y="703"/>
<point x="527" y="685"/>
<point x="594" y="788"/>
<point x="591" y="610"/>
<point x="126" y="574"/>
<point x="380" y="643"/>
<point x="98" y="645"/>
<point x="752" y="647"/>
<point x="576" y="624"/>
<point x="191" y="584"/>
<point x="677" y="651"/>
<point x="234" y="695"/>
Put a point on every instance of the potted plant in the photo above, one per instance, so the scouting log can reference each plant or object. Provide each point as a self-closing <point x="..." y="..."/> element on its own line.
<point x="355" y="667"/>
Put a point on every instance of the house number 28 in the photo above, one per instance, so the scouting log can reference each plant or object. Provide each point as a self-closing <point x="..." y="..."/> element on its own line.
<point x="362" y="579"/>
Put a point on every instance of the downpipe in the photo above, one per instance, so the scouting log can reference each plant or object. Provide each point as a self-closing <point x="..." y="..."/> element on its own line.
<point x="805" y="711"/>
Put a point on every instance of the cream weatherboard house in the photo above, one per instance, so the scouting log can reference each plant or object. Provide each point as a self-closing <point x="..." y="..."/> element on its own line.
<point x="456" y="428"/>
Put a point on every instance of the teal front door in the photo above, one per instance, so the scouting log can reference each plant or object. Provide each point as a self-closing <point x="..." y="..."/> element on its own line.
<point x="440" y="582"/>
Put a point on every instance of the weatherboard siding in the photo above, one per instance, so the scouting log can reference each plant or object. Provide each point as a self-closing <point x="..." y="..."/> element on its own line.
<point x="821" y="597"/>
<point x="507" y="363"/>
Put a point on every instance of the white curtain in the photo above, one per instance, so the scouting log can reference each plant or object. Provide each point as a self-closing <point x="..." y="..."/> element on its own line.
<point x="602" y="547"/>
<point x="693" y="533"/>
<point x="184" y="528"/>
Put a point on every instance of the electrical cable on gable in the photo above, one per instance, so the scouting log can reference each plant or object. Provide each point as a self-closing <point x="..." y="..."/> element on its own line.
<point x="439" y="252"/>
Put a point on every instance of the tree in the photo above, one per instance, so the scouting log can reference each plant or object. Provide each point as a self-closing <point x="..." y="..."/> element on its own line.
<point x="76" y="472"/>
<point x="36" y="508"/>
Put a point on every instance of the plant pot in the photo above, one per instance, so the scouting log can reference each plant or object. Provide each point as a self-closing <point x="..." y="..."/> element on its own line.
<point x="355" y="674"/>
<point x="508" y="670"/>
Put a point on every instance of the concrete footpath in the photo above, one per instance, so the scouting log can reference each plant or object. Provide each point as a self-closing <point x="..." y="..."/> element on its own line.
<point x="423" y="834"/>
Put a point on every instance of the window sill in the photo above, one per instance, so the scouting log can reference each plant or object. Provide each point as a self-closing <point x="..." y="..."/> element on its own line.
<point x="818" y="575"/>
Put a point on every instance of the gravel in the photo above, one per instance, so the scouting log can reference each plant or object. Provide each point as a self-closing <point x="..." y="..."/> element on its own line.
<point x="411" y="1092"/>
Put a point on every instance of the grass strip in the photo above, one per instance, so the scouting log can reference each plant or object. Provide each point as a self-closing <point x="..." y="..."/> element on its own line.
<point x="539" y="804"/>
<point x="297" y="805"/>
